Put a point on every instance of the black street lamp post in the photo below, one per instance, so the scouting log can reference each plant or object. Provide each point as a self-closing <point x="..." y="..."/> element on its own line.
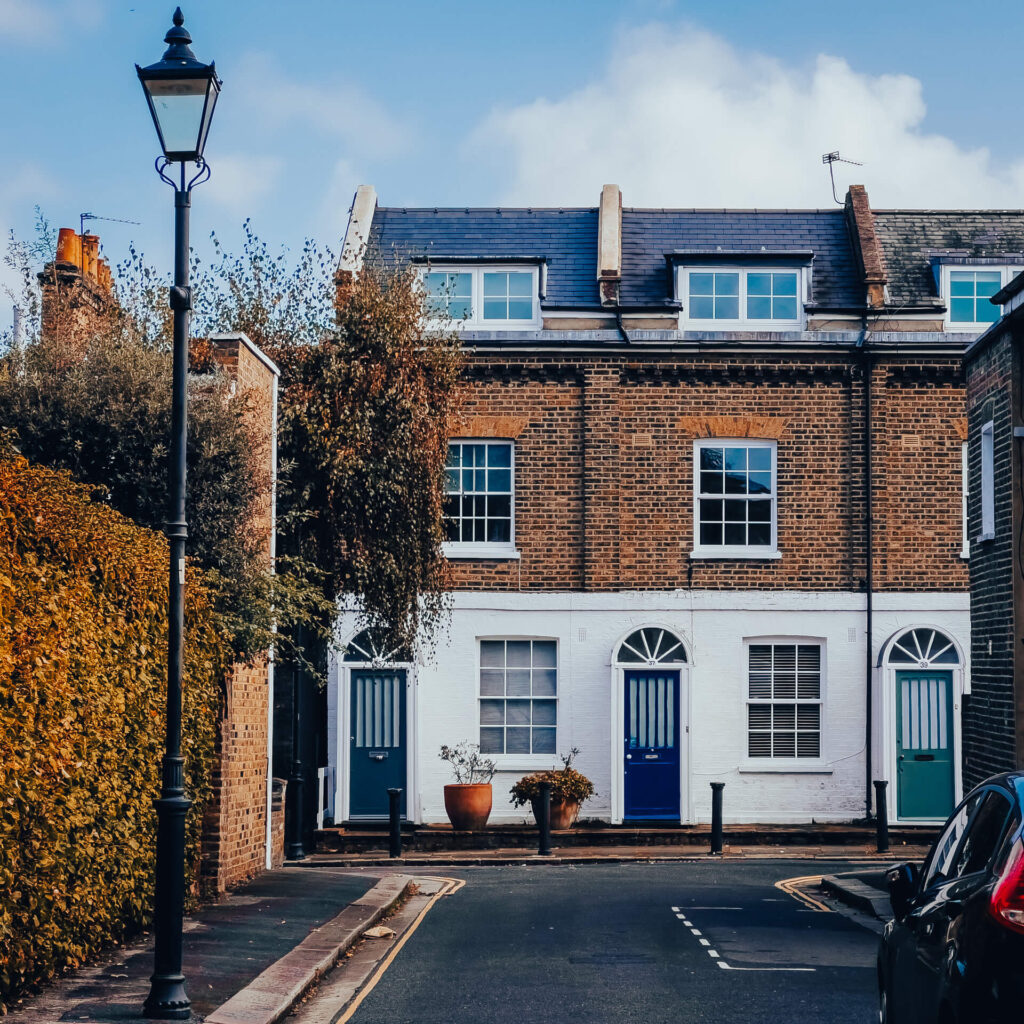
<point x="181" y="92"/>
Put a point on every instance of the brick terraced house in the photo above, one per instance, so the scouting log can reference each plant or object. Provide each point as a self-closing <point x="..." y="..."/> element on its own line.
<point x="706" y="516"/>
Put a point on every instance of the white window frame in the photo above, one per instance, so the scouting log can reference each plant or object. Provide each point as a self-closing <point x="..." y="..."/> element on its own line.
<point x="475" y="321"/>
<point x="965" y="541"/>
<point x="988" y="489"/>
<point x="522" y="762"/>
<point x="741" y="323"/>
<point x="794" y="765"/>
<point x="734" y="550"/>
<point x="456" y="549"/>
<point x="1007" y="272"/>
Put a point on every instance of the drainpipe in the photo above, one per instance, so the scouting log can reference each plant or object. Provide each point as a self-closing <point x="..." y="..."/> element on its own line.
<point x="869" y="668"/>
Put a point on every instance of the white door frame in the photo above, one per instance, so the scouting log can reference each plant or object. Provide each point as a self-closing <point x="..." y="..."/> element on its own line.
<point x="886" y="676"/>
<point x="343" y="749"/>
<point x="617" y="691"/>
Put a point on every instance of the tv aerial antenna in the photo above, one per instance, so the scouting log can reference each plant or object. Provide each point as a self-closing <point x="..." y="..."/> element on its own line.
<point x="835" y="158"/>
<point x="83" y="217"/>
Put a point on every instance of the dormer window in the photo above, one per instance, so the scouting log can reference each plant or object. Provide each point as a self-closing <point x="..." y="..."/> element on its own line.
<point x="485" y="297"/>
<point x="968" y="292"/>
<point x="741" y="298"/>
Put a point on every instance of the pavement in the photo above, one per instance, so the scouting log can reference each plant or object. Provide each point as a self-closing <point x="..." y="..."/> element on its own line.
<point x="445" y="859"/>
<point x="228" y="946"/>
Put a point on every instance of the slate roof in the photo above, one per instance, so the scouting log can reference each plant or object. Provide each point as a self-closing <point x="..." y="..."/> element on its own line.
<point x="567" y="238"/>
<point x="914" y="240"/>
<point x="647" y="235"/>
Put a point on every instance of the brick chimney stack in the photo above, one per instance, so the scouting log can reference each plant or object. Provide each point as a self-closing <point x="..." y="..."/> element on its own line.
<point x="77" y="291"/>
<point x="861" y="222"/>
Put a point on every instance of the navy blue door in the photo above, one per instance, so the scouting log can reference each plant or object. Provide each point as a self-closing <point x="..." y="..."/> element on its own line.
<point x="377" y="743"/>
<point x="652" y="744"/>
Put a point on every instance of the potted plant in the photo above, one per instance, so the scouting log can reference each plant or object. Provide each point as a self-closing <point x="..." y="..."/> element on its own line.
<point x="569" y="788"/>
<point x="468" y="799"/>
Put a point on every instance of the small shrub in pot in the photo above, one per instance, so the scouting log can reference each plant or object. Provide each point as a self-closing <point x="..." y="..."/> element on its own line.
<point x="468" y="800"/>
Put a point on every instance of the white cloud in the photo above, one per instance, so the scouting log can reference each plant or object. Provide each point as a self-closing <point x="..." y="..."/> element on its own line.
<point x="679" y="117"/>
<point x="338" y="110"/>
<point x="237" y="180"/>
<point x="44" y="21"/>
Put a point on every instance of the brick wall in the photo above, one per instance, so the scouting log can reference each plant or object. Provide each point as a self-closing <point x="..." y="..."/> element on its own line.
<point x="604" y="469"/>
<point x="989" y="734"/>
<point x="235" y="827"/>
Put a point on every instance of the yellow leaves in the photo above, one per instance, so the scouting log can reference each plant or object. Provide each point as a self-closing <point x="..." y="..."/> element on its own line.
<point x="82" y="677"/>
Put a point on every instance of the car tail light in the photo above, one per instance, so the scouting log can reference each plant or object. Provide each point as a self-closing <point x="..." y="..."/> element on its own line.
<point x="1007" y="904"/>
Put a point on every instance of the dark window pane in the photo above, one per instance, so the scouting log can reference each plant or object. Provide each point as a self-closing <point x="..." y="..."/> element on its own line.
<point x="808" y="744"/>
<point x="492" y="653"/>
<point x="784" y="309"/>
<point x="492" y="741"/>
<point x="710" y="510"/>
<point x="983" y="835"/>
<point x="759" y="511"/>
<point x="517" y="712"/>
<point x="543" y="712"/>
<point x="518" y="653"/>
<point x="961" y="310"/>
<point x="784" y="744"/>
<point x="492" y="712"/>
<point x="499" y="505"/>
<point x="492" y="682"/>
<point x="544" y="682"/>
<point x="543" y="741"/>
<point x="760" y="483"/>
<point x="499" y="480"/>
<point x="735" y="511"/>
<point x="499" y="531"/>
<point x="784" y="284"/>
<point x="711" y="483"/>
<point x="735" y="533"/>
<point x="760" y="533"/>
<point x="727" y="284"/>
<point x="710" y="533"/>
<point x="759" y="284"/>
<point x="711" y="458"/>
<point x="518" y="682"/>
<point x="517" y="741"/>
<point x="735" y="483"/>
<point x="545" y="653"/>
<point x="499" y="455"/>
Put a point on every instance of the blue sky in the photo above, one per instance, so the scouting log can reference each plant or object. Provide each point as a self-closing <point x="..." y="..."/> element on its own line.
<point x="475" y="103"/>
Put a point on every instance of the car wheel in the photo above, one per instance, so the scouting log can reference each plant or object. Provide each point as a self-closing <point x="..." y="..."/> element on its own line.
<point x="884" y="1011"/>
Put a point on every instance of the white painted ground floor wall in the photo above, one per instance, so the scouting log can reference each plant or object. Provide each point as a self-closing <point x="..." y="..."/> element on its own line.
<point x="444" y="694"/>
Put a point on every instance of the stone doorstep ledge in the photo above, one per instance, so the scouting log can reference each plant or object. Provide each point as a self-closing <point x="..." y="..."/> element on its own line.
<point x="858" y="894"/>
<point x="271" y="995"/>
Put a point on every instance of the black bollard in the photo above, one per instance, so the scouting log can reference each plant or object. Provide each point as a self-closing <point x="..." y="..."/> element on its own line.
<point x="881" y="816"/>
<point x="716" y="817"/>
<point x="395" y="812"/>
<point x="544" y="849"/>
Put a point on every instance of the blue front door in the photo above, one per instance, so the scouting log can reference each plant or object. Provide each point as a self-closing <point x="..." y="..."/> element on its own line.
<point x="652" y="744"/>
<point x="377" y="743"/>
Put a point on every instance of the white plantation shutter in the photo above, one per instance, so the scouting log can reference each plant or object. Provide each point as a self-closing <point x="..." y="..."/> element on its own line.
<point x="784" y="701"/>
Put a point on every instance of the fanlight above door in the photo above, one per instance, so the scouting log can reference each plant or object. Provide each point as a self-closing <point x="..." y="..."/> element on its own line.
<point x="368" y="647"/>
<point x="923" y="648"/>
<point x="651" y="645"/>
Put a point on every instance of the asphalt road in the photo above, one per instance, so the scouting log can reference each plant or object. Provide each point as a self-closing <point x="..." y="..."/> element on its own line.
<point x="598" y="944"/>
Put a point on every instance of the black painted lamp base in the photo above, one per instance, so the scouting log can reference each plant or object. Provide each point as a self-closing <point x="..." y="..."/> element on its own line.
<point x="167" y="1000"/>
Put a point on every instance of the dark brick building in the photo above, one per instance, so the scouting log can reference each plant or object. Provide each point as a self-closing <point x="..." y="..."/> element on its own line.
<point x="993" y="716"/>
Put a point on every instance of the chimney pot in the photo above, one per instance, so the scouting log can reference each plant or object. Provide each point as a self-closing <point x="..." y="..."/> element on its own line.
<point x="90" y="255"/>
<point x="69" y="247"/>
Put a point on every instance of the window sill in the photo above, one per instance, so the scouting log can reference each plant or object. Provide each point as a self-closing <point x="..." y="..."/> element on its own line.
<point x="966" y="553"/>
<point x="734" y="554"/>
<point x="523" y="762"/>
<point x="983" y="538"/>
<point x="500" y="552"/>
<point x="808" y="767"/>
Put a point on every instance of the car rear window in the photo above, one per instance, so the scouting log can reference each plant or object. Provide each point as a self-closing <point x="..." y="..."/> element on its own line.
<point x="983" y="834"/>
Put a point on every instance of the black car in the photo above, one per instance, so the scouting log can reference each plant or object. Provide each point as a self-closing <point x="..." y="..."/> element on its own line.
<point x="954" y="954"/>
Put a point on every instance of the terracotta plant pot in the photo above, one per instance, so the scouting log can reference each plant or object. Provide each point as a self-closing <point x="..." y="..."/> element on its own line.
<point x="468" y="807"/>
<point x="563" y="814"/>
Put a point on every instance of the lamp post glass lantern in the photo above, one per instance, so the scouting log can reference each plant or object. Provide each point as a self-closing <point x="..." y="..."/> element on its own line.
<point x="181" y="92"/>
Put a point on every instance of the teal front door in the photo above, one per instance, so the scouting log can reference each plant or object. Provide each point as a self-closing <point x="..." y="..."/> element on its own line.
<point x="924" y="744"/>
<point x="377" y="741"/>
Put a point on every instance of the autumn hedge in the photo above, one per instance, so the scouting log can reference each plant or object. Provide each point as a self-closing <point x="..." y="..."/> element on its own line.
<point x="82" y="681"/>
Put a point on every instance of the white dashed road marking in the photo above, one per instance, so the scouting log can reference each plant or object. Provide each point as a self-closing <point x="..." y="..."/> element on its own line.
<point x="716" y="956"/>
